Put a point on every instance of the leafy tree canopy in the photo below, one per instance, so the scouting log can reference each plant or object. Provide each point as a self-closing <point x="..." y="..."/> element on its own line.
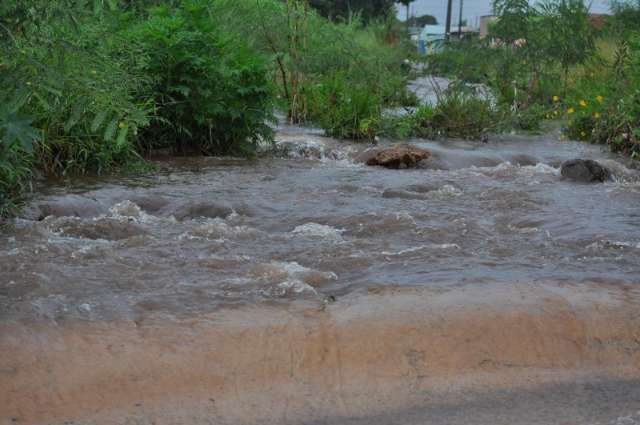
<point x="342" y="9"/>
<point x="421" y="21"/>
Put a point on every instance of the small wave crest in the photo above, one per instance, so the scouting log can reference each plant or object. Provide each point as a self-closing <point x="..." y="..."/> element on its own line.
<point x="609" y="244"/>
<point x="280" y="278"/>
<point x="101" y="228"/>
<point x="320" y="231"/>
<point x="415" y="249"/>
<point x="508" y="169"/>
<point x="311" y="149"/>
<point x="219" y="229"/>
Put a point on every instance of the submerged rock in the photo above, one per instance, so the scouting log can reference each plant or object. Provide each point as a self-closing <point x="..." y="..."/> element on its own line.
<point x="105" y="229"/>
<point x="149" y="203"/>
<point x="195" y="209"/>
<point x="585" y="171"/>
<point x="398" y="157"/>
<point x="66" y="206"/>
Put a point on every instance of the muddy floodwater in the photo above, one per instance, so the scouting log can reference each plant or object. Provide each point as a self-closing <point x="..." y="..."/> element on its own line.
<point x="306" y="287"/>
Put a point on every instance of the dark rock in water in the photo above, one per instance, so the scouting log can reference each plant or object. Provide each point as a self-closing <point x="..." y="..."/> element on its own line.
<point x="585" y="171"/>
<point x="106" y="229"/>
<point x="66" y="206"/>
<point x="201" y="209"/>
<point x="398" y="157"/>
<point x="523" y="160"/>
<point x="149" y="203"/>
<point x="416" y="191"/>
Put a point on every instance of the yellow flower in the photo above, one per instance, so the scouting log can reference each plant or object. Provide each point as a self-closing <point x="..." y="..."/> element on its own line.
<point x="570" y="111"/>
<point x="599" y="98"/>
<point x="121" y="125"/>
<point x="583" y="103"/>
<point x="94" y="72"/>
<point x="596" y="115"/>
<point x="555" y="113"/>
<point x="556" y="98"/>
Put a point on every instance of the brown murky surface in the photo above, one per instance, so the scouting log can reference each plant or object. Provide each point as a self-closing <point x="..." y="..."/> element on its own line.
<point x="204" y="293"/>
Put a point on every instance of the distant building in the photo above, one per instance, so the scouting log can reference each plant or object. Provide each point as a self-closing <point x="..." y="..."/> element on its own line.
<point x="465" y="32"/>
<point x="431" y="39"/>
<point x="485" y="24"/>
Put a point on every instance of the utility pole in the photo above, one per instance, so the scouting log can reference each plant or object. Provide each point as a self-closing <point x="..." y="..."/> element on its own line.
<point x="460" y="20"/>
<point x="447" y="27"/>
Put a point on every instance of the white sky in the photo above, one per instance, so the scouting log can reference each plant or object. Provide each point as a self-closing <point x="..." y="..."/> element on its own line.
<point x="471" y="9"/>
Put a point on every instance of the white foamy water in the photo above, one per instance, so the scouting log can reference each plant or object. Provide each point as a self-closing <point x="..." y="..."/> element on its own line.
<point x="321" y="231"/>
<point x="282" y="278"/>
<point x="415" y="249"/>
<point x="219" y="229"/>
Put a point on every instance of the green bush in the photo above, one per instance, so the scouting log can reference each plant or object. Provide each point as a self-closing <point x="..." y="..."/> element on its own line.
<point x="605" y="107"/>
<point x="471" y="61"/>
<point x="211" y="92"/>
<point x="345" y="109"/>
<point x="77" y="89"/>
<point x="459" y="112"/>
<point x="16" y="148"/>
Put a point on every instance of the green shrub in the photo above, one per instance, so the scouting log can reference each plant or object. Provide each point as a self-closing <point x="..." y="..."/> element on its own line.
<point x="396" y="126"/>
<point x="16" y="148"/>
<point x="471" y="61"/>
<point x="211" y="92"/>
<point x="605" y="107"/>
<point x="79" y="92"/>
<point x="530" y="118"/>
<point x="345" y="109"/>
<point x="459" y="112"/>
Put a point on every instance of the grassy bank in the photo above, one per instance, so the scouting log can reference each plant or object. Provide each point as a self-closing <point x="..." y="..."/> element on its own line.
<point x="91" y="87"/>
<point x="547" y="62"/>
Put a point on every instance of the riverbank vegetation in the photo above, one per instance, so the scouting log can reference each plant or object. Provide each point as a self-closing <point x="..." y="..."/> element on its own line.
<point x="549" y="62"/>
<point x="93" y="86"/>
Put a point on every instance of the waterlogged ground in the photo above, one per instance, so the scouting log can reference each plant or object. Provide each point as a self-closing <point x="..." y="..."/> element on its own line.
<point x="202" y="233"/>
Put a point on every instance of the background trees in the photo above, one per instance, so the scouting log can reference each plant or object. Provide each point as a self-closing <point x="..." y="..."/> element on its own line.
<point x="343" y="9"/>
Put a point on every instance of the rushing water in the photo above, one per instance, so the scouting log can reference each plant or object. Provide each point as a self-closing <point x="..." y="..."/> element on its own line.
<point x="312" y="222"/>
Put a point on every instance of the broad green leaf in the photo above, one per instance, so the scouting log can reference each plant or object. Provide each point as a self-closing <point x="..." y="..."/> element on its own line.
<point x="43" y="102"/>
<point x="98" y="120"/>
<point x="110" y="131"/>
<point x="122" y="136"/>
<point x="14" y="128"/>
<point x="76" y="114"/>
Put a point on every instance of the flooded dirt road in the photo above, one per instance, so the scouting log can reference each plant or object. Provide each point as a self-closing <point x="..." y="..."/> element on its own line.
<point x="309" y="288"/>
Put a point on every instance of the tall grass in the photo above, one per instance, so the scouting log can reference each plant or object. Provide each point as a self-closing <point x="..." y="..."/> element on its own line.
<point x="339" y="75"/>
